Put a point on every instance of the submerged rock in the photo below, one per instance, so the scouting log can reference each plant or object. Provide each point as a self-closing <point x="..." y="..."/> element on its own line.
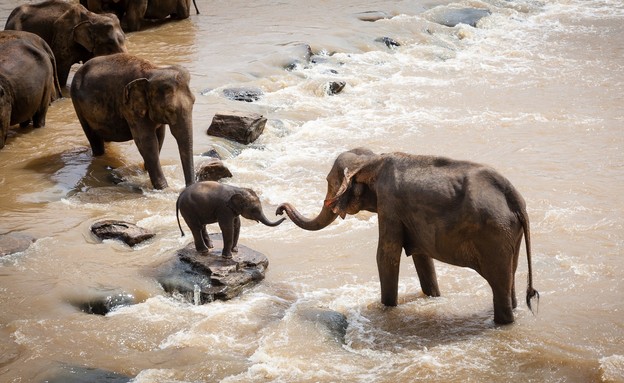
<point x="243" y="94"/>
<point x="202" y="278"/>
<point x="335" y="322"/>
<point x="14" y="243"/>
<point x="236" y="126"/>
<point x="104" y="302"/>
<point x="335" y="87"/>
<point x="373" y="15"/>
<point x="80" y="374"/>
<point x="390" y="42"/>
<point x="212" y="170"/>
<point x="450" y="17"/>
<point x="129" y="233"/>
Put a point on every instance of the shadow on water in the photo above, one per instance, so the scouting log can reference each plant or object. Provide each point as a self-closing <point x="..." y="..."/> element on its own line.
<point x="75" y="171"/>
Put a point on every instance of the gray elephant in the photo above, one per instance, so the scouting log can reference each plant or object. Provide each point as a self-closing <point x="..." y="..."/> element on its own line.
<point x="133" y="12"/>
<point x="457" y="212"/>
<point x="74" y="34"/>
<point x="27" y="81"/>
<point x="209" y="202"/>
<point x="122" y="97"/>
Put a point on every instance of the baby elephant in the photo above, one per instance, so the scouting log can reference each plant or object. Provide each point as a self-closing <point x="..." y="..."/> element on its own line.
<point x="209" y="202"/>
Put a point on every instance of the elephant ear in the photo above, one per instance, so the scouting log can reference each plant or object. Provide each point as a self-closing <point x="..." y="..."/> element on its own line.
<point x="135" y="97"/>
<point x="82" y="35"/>
<point x="362" y="173"/>
<point x="237" y="203"/>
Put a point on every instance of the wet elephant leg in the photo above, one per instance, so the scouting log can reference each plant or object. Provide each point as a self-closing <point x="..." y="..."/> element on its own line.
<point x="500" y="278"/>
<point x="426" y="275"/>
<point x="236" y="226"/>
<point x="148" y="147"/>
<point x="227" y="231"/>
<point x="160" y="134"/>
<point x="197" y="228"/>
<point x="388" y="260"/>
<point x="96" y="142"/>
<point x="206" y="237"/>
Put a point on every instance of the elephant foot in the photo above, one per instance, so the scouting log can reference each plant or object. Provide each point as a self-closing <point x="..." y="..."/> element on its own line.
<point x="226" y="255"/>
<point x="503" y="317"/>
<point x="235" y="249"/>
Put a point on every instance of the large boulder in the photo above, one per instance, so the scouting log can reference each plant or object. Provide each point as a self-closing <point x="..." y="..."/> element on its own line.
<point x="129" y="233"/>
<point x="236" y="126"/>
<point x="204" y="277"/>
<point x="14" y="243"/>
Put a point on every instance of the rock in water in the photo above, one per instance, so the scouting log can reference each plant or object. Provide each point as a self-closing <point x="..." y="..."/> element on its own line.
<point x="210" y="275"/>
<point x="127" y="232"/>
<point x="14" y="243"/>
<point x="242" y="128"/>
<point x="450" y="17"/>
<point x="212" y="170"/>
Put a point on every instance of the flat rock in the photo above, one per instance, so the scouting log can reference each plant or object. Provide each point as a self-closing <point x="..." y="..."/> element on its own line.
<point x="236" y="126"/>
<point x="450" y="17"/>
<point x="204" y="277"/>
<point x="80" y="374"/>
<point x="372" y="16"/>
<point x="129" y="233"/>
<point x="212" y="170"/>
<point x="14" y="243"/>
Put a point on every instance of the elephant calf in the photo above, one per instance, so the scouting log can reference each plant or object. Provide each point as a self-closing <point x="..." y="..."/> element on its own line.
<point x="28" y="81"/>
<point x="209" y="202"/>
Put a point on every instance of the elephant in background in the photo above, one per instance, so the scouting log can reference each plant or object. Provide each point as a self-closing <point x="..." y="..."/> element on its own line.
<point x="122" y="97"/>
<point x="209" y="202"/>
<point x="73" y="33"/>
<point x="133" y="12"/>
<point x="457" y="212"/>
<point x="27" y="81"/>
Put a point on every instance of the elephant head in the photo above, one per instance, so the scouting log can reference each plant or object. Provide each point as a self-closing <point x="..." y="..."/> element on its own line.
<point x="164" y="98"/>
<point x="349" y="190"/>
<point x="245" y="202"/>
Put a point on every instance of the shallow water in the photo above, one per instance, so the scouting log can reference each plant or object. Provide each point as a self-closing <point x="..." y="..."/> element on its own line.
<point x="536" y="91"/>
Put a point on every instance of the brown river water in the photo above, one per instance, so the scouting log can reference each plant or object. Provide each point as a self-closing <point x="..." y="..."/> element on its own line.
<point x="536" y="91"/>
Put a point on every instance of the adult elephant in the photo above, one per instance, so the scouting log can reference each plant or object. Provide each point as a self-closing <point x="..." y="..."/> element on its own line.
<point x="27" y="81"/>
<point x="122" y="97"/>
<point x="74" y="33"/>
<point x="133" y="12"/>
<point x="457" y="212"/>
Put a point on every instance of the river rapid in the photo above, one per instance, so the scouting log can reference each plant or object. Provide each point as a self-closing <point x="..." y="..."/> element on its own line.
<point x="536" y="91"/>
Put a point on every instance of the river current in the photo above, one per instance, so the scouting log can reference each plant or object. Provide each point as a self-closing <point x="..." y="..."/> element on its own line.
<point x="536" y="90"/>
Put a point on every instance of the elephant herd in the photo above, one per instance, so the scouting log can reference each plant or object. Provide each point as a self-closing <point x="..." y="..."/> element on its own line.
<point x="457" y="212"/>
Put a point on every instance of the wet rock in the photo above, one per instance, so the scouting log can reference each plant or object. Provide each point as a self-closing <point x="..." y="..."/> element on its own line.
<point x="236" y="126"/>
<point x="14" y="243"/>
<point x="335" y="322"/>
<point x="390" y="42"/>
<point x="104" y="302"/>
<point x="335" y="87"/>
<point x="208" y="277"/>
<point x="212" y="152"/>
<point x="301" y="54"/>
<point x="212" y="170"/>
<point x="79" y="374"/>
<point x="373" y="16"/>
<point x="450" y="17"/>
<point x="127" y="232"/>
<point x="243" y="94"/>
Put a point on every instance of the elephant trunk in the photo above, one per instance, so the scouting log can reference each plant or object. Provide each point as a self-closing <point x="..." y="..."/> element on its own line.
<point x="183" y="133"/>
<point x="263" y="219"/>
<point x="325" y="217"/>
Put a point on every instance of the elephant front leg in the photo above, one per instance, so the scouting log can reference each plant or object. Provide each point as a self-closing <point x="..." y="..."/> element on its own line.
<point x="227" y="231"/>
<point x="149" y="148"/>
<point x="426" y="275"/>
<point x="388" y="261"/>
<point x="236" y="227"/>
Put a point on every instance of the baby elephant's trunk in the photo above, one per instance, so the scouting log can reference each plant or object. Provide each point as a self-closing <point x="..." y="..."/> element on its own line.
<point x="263" y="219"/>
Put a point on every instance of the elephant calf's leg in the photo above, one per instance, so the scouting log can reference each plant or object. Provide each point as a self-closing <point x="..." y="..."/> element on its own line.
<point x="236" y="226"/>
<point x="426" y="275"/>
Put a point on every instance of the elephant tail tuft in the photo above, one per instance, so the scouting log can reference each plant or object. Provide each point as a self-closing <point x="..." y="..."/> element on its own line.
<point x="531" y="292"/>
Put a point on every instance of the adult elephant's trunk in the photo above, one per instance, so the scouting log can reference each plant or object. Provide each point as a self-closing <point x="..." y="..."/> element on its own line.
<point x="182" y="130"/>
<point x="325" y="217"/>
<point x="263" y="219"/>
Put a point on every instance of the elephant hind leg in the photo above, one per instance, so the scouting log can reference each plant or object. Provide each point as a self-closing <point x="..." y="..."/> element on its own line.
<point x="96" y="142"/>
<point x="426" y="275"/>
<point x="501" y="282"/>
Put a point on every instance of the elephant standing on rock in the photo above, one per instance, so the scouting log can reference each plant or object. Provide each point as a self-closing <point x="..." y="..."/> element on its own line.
<point x="74" y="34"/>
<point x="209" y="202"/>
<point x="122" y="97"/>
<point x="28" y="83"/>
<point x="132" y="12"/>
<point x="457" y="212"/>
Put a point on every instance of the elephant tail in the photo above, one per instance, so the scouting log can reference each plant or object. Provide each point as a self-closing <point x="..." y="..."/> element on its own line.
<point x="196" y="9"/>
<point x="178" y="215"/>
<point x="531" y="292"/>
